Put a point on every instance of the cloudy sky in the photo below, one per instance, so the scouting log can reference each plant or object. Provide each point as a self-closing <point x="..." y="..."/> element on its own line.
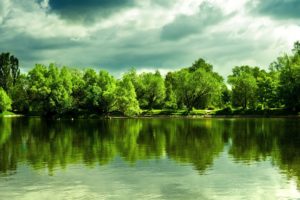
<point x="117" y="35"/>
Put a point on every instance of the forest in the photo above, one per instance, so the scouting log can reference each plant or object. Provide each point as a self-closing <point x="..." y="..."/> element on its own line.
<point x="65" y="91"/>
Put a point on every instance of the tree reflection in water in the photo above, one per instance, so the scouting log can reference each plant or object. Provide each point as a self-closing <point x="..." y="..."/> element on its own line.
<point x="51" y="144"/>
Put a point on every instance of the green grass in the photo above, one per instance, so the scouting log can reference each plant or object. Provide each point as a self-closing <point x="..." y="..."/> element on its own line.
<point x="6" y="113"/>
<point x="218" y="112"/>
<point x="180" y="112"/>
<point x="203" y="112"/>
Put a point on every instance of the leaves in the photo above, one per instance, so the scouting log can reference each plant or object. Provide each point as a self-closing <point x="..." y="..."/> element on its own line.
<point x="9" y="71"/>
<point x="199" y="89"/>
<point x="5" y="101"/>
<point x="126" y="99"/>
<point x="53" y="90"/>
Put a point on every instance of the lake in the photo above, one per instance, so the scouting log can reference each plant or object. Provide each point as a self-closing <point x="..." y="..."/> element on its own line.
<point x="150" y="159"/>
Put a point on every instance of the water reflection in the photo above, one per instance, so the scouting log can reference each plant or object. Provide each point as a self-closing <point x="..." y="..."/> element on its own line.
<point x="51" y="144"/>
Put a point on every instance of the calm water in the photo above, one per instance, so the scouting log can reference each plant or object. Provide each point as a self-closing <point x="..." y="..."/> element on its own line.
<point x="150" y="159"/>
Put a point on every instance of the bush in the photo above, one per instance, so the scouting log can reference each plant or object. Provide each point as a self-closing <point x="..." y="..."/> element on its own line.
<point x="5" y="101"/>
<point x="225" y="111"/>
<point x="259" y="107"/>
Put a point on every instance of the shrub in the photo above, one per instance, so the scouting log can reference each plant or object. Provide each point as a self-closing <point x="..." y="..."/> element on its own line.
<point x="5" y="101"/>
<point x="225" y="111"/>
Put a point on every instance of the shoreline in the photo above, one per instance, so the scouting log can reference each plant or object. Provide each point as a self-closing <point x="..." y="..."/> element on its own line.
<point x="12" y="116"/>
<point x="155" y="117"/>
<point x="217" y="116"/>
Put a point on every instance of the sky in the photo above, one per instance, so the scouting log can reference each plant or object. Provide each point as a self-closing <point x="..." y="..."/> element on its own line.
<point x="117" y="35"/>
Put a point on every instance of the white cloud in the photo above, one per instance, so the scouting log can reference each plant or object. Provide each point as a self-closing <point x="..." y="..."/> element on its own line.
<point x="131" y="37"/>
<point x="4" y="9"/>
<point x="30" y="18"/>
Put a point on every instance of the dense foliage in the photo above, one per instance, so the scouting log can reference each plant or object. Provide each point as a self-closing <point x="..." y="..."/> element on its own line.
<point x="5" y="101"/>
<point x="9" y="71"/>
<point x="53" y="90"/>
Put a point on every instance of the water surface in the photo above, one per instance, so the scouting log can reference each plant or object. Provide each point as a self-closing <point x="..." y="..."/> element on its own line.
<point x="150" y="159"/>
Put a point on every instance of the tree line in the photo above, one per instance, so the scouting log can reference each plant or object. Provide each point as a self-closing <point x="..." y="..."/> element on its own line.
<point x="53" y="90"/>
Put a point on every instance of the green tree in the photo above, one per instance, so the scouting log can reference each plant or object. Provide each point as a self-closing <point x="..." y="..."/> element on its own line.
<point x="126" y="99"/>
<point x="267" y="90"/>
<point x="290" y="83"/>
<point x="99" y="91"/>
<point x="201" y="64"/>
<point x="226" y="96"/>
<point x="153" y="89"/>
<point x="78" y="90"/>
<point x="197" y="89"/>
<point x="108" y="86"/>
<point x="244" y="89"/>
<point x="92" y="91"/>
<point x="5" y="101"/>
<point x="139" y="87"/>
<point x="50" y="89"/>
<point x="9" y="70"/>
<point x="38" y="87"/>
<point x="63" y="87"/>
<point x="170" y="99"/>
<point x="19" y="95"/>
<point x="288" y="67"/>
<point x="296" y="49"/>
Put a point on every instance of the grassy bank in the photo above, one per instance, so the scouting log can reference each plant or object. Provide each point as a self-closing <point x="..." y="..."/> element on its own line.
<point x="220" y="112"/>
<point x="9" y="114"/>
<point x="276" y="112"/>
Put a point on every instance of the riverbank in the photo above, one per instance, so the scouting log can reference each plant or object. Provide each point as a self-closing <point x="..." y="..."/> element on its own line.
<point x="168" y="113"/>
<point x="8" y="114"/>
<point x="221" y="113"/>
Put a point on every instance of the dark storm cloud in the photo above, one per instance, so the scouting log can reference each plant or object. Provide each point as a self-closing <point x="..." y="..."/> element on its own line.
<point x="31" y="50"/>
<point x="280" y="9"/>
<point x="87" y="10"/>
<point x="184" y="26"/>
<point x="46" y="34"/>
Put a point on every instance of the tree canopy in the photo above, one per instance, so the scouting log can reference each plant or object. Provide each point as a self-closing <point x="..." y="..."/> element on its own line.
<point x="59" y="90"/>
<point x="9" y="70"/>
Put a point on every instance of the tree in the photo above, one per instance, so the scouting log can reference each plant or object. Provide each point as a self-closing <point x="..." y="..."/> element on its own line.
<point x="39" y="89"/>
<point x="50" y="89"/>
<point x="92" y="91"/>
<point x="139" y="87"/>
<point x="99" y="91"/>
<point x="287" y="67"/>
<point x="244" y="89"/>
<point x="170" y="99"/>
<point x="126" y="99"/>
<point x="197" y="89"/>
<point x="267" y="90"/>
<point x="78" y="90"/>
<point x="108" y="86"/>
<point x="253" y="87"/>
<point x="290" y="82"/>
<point x="63" y="87"/>
<point x="226" y="96"/>
<point x="245" y="69"/>
<point x="9" y="71"/>
<point x="153" y="89"/>
<point x="5" y="101"/>
<point x="296" y="49"/>
<point x="201" y="64"/>
<point x="19" y="95"/>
